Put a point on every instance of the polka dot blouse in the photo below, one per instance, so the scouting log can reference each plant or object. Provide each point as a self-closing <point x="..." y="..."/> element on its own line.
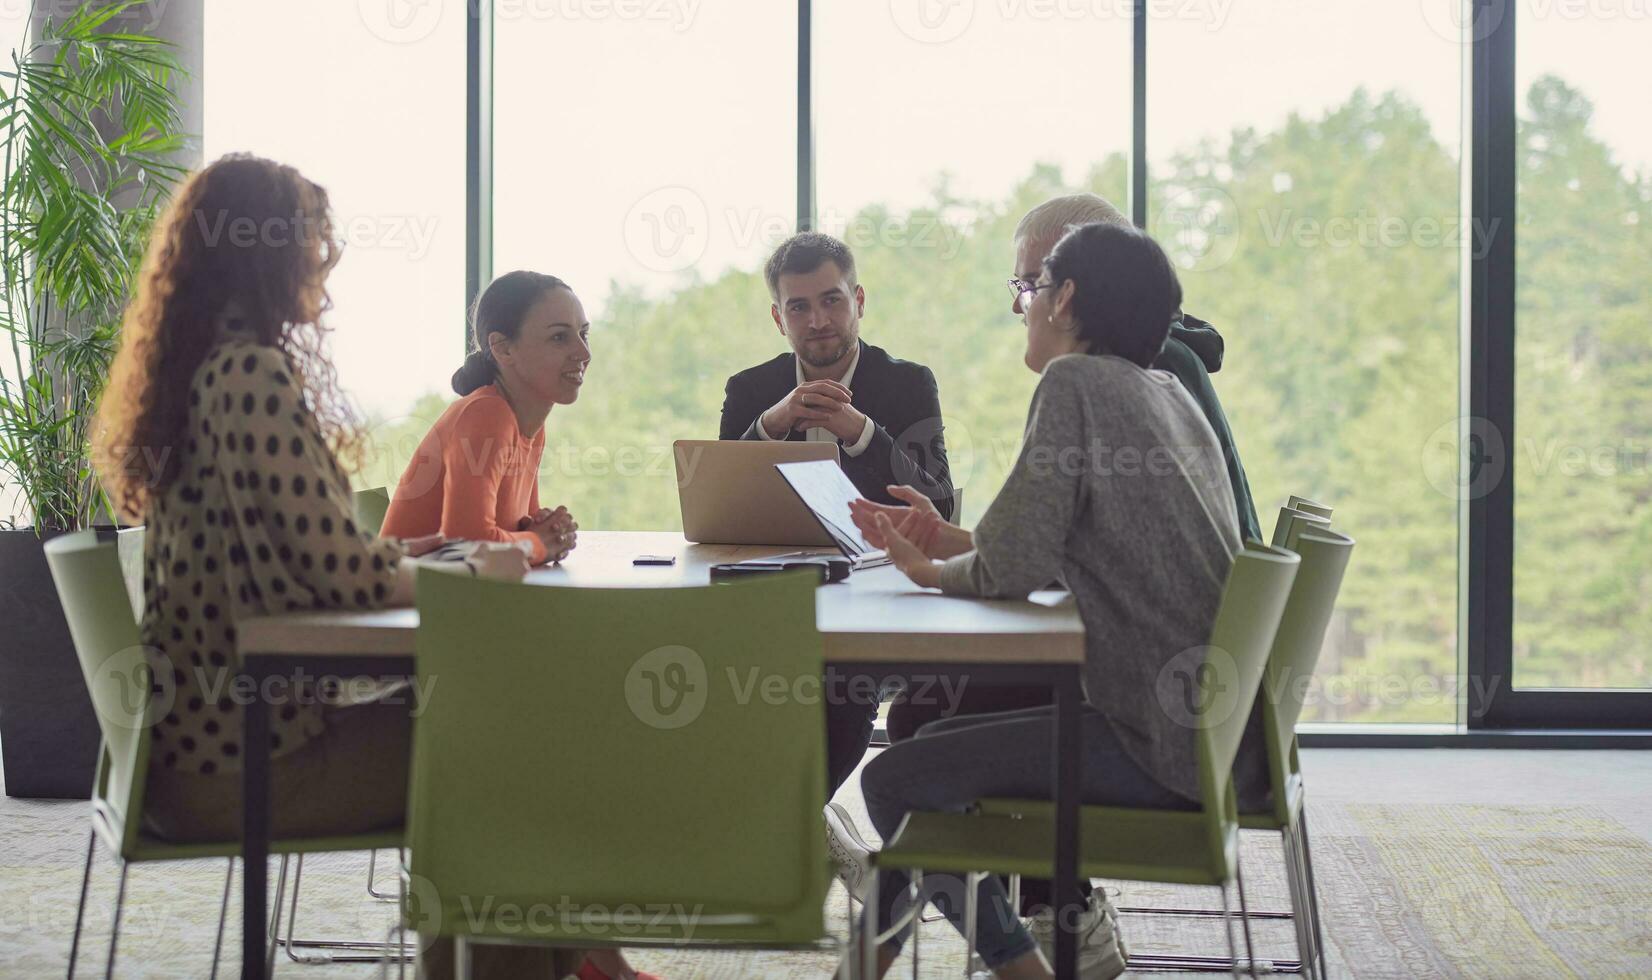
<point x="258" y="520"/>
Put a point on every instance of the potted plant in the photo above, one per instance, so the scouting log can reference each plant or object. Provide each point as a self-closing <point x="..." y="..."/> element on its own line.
<point x="88" y="128"/>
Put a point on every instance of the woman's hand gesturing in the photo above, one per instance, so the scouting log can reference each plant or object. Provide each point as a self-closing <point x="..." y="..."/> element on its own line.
<point x="914" y="564"/>
<point x="919" y="523"/>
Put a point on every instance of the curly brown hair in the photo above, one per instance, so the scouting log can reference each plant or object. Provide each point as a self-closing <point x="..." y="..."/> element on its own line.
<point x="247" y="238"/>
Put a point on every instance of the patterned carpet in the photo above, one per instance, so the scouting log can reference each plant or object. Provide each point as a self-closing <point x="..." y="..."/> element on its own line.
<point x="1414" y="891"/>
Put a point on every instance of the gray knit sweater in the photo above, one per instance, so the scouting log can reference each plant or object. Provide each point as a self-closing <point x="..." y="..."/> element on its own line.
<point x="1121" y="493"/>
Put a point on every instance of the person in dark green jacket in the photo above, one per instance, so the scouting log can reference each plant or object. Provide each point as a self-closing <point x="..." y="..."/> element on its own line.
<point x="1193" y="353"/>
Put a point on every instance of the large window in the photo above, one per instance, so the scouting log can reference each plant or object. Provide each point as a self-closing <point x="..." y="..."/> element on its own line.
<point x="1306" y="180"/>
<point x="370" y="106"/>
<point x="1583" y="433"/>
<point x="1307" y="174"/>
<point x="939" y="126"/>
<point x="647" y="157"/>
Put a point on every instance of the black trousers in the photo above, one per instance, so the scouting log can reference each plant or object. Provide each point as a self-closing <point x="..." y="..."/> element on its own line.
<point x="852" y="699"/>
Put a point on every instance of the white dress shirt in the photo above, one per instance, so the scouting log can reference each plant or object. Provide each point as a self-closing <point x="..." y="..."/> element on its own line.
<point x="818" y="434"/>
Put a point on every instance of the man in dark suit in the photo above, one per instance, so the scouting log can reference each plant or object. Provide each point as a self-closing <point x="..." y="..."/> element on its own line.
<point x="884" y="413"/>
<point x="885" y="416"/>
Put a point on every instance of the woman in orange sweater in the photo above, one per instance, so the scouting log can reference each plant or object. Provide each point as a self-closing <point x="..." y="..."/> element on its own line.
<point x="475" y="476"/>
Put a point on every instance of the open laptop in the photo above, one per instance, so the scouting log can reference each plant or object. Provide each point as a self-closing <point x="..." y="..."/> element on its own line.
<point x="731" y="492"/>
<point x="826" y="491"/>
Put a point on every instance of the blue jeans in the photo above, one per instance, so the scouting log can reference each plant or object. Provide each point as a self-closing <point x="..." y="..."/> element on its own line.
<point x="954" y="762"/>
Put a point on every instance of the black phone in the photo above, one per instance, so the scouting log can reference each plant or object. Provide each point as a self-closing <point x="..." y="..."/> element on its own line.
<point x="830" y="568"/>
<point x="654" y="560"/>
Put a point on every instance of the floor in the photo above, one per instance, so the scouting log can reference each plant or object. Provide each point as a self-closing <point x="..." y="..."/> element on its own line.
<point x="1448" y="863"/>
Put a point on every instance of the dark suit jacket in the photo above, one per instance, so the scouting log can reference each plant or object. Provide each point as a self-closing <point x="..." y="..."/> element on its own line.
<point x="901" y="399"/>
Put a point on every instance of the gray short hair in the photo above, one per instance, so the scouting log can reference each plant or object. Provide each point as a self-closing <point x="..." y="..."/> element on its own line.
<point x="1059" y="215"/>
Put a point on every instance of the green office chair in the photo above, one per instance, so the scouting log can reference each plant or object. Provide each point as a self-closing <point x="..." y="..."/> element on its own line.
<point x="1015" y="837"/>
<point x="1325" y="555"/>
<point x="575" y="735"/>
<point x="371" y="506"/>
<point x="118" y="676"/>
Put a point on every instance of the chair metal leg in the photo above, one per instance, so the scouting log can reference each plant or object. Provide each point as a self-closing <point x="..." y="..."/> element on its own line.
<point x="1299" y="920"/>
<point x="461" y="958"/>
<point x="360" y="950"/>
<point x="80" y="909"/>
<point x="1313" y="896"/>
<point x="1305" y="904"/>
<point x="1280" y="914"/>
<point x="1250" y="947"/>
<point x="223" y="912"/>
<point x="1227" y="920"/>
<point x="846" y="969"/>
<point x="1304" y="965"/>
<point x="869" y="930"/>
<point x="917" y="924"/>
<point x="372" y="866"/>
<point x="114" y="930"/>
<point x="292" y="915"/>
<point x="275" y="917"/>
<point x="401" y="914"/>
<point x="972" y="912"/>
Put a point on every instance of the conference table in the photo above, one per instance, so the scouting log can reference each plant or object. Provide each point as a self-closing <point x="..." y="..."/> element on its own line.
<point x="877" y="618"/>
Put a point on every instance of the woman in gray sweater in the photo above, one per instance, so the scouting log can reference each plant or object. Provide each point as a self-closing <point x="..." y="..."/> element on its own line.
<point x="1121" y="494"/>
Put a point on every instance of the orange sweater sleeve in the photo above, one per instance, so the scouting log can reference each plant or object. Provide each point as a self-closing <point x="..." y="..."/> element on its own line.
<point x="478" y="452"/>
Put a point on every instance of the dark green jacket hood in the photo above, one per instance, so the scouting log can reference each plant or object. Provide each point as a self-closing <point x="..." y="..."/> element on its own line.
<point x="1201" y="338"/>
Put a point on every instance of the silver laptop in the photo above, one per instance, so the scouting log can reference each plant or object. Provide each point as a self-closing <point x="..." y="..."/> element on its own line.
<point x="731" y="493"/>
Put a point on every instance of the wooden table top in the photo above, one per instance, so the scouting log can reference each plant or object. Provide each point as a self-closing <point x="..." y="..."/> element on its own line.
<point x="878" y="615"/>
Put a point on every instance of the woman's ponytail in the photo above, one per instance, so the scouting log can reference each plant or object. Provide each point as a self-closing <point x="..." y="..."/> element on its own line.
<point x="476" y="372"/>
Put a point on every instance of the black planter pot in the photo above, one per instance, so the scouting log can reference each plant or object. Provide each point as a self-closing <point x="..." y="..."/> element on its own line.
<point x="48" y="730"/>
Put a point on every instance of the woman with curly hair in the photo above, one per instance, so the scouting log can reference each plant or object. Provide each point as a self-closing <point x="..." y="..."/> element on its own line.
<point x="224" y="431"/>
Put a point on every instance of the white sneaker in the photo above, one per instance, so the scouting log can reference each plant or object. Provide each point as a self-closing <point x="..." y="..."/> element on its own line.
<point x="1101" y="953"/>
<point x="849" y="850"/>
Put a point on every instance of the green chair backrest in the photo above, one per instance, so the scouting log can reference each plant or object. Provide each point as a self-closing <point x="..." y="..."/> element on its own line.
<point x="1297" y="645"/>
<point x="620" y="746"/>
<point x="1289" y="523"/>
<point x="118" y="675"/>
<point x="1231" y="672"/>
<point x="129" y="546"/>
<point x="1308" y="506"/>
<point x="371" y="506"/>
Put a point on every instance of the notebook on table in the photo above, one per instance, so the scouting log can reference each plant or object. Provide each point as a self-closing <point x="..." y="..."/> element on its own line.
<point x="826" y="491"/>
